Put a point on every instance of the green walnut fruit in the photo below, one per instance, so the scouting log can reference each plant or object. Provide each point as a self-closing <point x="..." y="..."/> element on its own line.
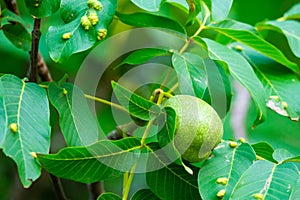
<point x="198" y="127"/>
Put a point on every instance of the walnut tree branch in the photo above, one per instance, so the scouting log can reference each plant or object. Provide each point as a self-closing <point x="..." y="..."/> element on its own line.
<point x="59" y="191"/>
<point x="12" y="6"/>
<point x="42" y="68"/>
<point x="36" y="34"/>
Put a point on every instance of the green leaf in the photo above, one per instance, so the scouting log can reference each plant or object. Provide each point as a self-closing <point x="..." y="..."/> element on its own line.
<point x="257" y="43"/>
<point x="293" y="13"/>
<point x="282" y="154"/>
<point x="42" y="8"/>
<point x="191" y="73"/>
<point x="280" y="84"/>
<point x="142" y="19"/>
<point x="25" y="121"/>
<point x="71" y="12"/>
<point x="180" y="14"/>
<point x="194" y="10"/>
<point x="102" y="160"/>
<point x="223" y="169"/>
<point x="59" y="49"/>
<point x="143" y="55"/>
<point x="264" y="150"/>
<point x="149" y="5"/>
<point x="18" y="35"/>
<point x="166" y="134"/>
<point x="219" y="92"/>
<point x="135" y="104"/>
<point x="232" y="24"/>
<point x="3" y="117"/>
<point x="76" y="121"/>
<point x="294" y="159"/>
<point x="220" y="9"/>
<point x="274" y="181"/>
<point x="170" y="181"/>
<point x="109" y="196"/>
<point x="289" y="29"/>
<point x="242" y="71"/>
<point x="296" y="190"/>
<point x="144" y="194"/>
<point x="7" y="17"/>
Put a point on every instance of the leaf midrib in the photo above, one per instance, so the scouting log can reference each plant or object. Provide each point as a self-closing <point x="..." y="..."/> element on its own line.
<point x="95" y="157"/>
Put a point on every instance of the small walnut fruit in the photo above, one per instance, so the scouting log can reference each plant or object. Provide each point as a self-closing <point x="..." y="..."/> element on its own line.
<point x="198" y="127"/>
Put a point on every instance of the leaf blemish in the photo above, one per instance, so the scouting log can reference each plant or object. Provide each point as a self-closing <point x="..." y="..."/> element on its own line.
<point x="221" y="193"/>
<point x="233" y="144"/>
<point x="13" y="127"/>
<point x="258" y="196"/>
<point x="222" y="180"/>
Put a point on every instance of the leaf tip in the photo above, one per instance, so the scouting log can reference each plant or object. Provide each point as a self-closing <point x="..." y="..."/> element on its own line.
<point x="113" y="83"/>
<point x="65" y="92"/>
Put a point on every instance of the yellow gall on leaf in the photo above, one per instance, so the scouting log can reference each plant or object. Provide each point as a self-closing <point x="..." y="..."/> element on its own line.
<point x="284" y="104"/>
<point x="221" y="193"/>
<point x="222" y="181"/>
<point x="90" y="3"/>
<point x="33" y="154"/>
<point x="65" y="92"/>
<point x="233" y="144"/>
<point x="97" y="5"/>
<point x="93" y="18"/>
<point x="94" y="4"/>
<point x="242" y="140"/>
<point x="66" y="36"/>
<point x="258" y="196"/>
<point x="36" y="3"/>
<point x="13" y="127"/>
<point x="238" y="48"/>
<point x="101" y="34"/>
<point x="85" y="22"/>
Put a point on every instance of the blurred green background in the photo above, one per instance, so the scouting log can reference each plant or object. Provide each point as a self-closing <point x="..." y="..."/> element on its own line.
<point x="277" y="130"/>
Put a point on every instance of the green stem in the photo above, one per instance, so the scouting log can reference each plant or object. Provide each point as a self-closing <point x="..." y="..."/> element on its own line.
<point x="202" y="26"/>
<point x="146" y="132"/>
<point x="190" y="40"/>
<point x="128" y="177"/>
<point x="97" y="99"/>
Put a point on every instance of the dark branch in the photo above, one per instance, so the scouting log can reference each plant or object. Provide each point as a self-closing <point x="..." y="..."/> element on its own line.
<point x="59" y="191"/>
<point x="41" y="65"/>
<point x="43" y="69"/>
<point x="122" y="130"/>
<point x="36" y="34"/>
<point x="12" y="6"/>
<point x="96" y="189"/>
